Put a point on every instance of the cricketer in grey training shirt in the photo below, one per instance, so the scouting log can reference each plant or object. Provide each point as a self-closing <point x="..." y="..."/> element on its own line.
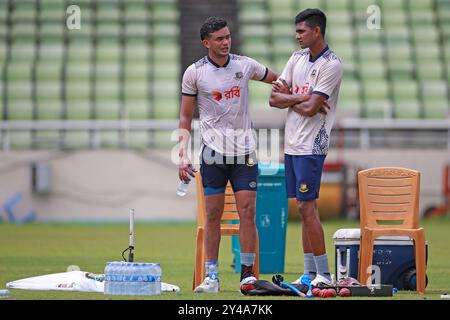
<point x="222" y="99"/>
<point x="310" y="135"/>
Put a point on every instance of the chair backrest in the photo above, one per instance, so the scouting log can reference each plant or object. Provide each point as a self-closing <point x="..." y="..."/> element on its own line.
<point x="230" y="212"/>
<point x="389" y="198"/>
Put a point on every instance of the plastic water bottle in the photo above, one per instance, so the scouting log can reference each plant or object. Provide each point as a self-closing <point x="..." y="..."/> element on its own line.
<point x="125" y="278"/>
<point x="5" y="294"/>
<point x="113" y="287"/>
<point x="123" y="268"/>
<point x="139" y="274"/>
<point x="157" y="277"/>
<point x="214" y="276"/>
<point x="117" y="279"/>
<point x="131" y="283"/>
<point x="182" y="188"/>
<point x="107" y="278"/>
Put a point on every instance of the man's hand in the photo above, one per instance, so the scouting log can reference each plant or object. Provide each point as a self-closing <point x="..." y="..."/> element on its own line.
<point x="322" y="109"/>
<point x="281" y="87"/>
<point x="186" y="169"/>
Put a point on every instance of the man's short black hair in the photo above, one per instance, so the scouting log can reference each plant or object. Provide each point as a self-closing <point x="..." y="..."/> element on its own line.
<point x="211" y="24"/>
<point x="313" y="18"/>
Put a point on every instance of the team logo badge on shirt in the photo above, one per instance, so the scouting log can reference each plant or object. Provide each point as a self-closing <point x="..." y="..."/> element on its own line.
<point x="250" y="162"/>
<point x="238" y="75"/>
<point x="303" y="188"/>
<point x="252" y="184"/>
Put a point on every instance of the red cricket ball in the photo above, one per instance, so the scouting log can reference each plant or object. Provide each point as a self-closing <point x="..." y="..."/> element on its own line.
<point x="316" y="292"/>
<point x="345" y="292"/>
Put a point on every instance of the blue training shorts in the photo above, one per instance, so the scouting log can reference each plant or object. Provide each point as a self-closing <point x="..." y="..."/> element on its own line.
<point x="216" y="170"/>
<point x="303" y="175"/>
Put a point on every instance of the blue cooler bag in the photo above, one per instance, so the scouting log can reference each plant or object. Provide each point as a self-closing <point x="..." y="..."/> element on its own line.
<point x="394" y="256"/>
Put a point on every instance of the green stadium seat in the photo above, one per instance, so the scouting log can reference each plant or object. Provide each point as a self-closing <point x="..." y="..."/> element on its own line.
<point x="253" y="30"/>
<point x="78" y="90"/>
<point x="406" y="99"/>
<point x="19" y="100"/>
<point x="372" y="69"/>
<point x="349" y="104"/>
<point x="256" y="49"/>
<point x="399" y="55"/>
<point x="259" y="95"/>
<point x="280" y="10"/>
<point x="337" y="5"/>
<point x="165" y="10"/>
<point x="435" y="99"/>
<point x="137" y="30"/>
<point x="284" y="47"/>
<point x="341" y="35"/>
<point x="423" y="35"/>
<point x="421" y="17"/>
<point x="430" y="70"/>
<point x="48" y="89"/>
<point x="165" y="52"/>
<point x="253" y="13"/>
<point x="3" y="12"/>
<point x="338" y="19"/>
<point x="421" y="5"/>
<point x="108" y="51"/>
<point x="138" y="108"/>
<point x="304" y="4"/>
<point x="22" y="51"/>
<point x="76" y="139"/>
<point x="54" y="11"/>
<point x="378" y="109"/>
<point x="20" y="140"/>
<point x="283" y="29"/>
<point x="24" y="11"/>
<point x="376" y="98"/>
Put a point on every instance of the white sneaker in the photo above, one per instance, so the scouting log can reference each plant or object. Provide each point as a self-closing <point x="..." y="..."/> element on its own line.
<point x="321" y="281"/>
<point x="208" y="286"/>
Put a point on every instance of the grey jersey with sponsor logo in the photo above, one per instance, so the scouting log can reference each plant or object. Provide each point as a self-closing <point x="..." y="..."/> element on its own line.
<point x="222" y="99"/>
<point x="311" y="135"/>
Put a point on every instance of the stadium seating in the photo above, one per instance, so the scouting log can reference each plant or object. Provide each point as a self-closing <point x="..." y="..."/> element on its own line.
<point x="401" y="70"/>
<point x="124" y="61"/>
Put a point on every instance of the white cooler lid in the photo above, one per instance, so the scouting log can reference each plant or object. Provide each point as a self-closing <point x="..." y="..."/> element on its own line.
<point x="355" y="234"/>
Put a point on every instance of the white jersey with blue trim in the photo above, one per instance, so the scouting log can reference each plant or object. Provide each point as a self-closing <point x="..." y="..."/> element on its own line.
<point x="311" y="135"/>
<point x="222" y="99"/>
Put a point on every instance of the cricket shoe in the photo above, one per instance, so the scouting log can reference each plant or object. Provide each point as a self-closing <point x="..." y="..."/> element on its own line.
<point x="248" y="283"/>
<point x="247" y="278"/>
<point x="321" y="282"/>
<point x="208" y="286"/>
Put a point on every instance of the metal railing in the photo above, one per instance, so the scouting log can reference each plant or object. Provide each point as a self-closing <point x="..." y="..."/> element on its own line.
<point x="351" y="133"/>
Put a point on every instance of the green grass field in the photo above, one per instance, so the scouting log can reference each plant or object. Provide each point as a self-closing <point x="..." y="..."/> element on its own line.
<point x="38" y="249"/>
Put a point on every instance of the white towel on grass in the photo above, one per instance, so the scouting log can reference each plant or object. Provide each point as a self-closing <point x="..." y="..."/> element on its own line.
<point x="71" y="281"/>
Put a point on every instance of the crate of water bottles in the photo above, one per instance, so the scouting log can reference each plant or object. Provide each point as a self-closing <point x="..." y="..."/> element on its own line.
<point x="131" y="278"/>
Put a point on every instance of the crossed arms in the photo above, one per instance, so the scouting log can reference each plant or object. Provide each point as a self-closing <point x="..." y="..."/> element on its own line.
<point x="307" y="105"/>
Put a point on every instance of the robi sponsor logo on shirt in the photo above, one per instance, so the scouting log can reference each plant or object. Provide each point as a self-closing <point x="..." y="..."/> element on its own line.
<point x="306" y="89"/>
<point x="228" y="94"/>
